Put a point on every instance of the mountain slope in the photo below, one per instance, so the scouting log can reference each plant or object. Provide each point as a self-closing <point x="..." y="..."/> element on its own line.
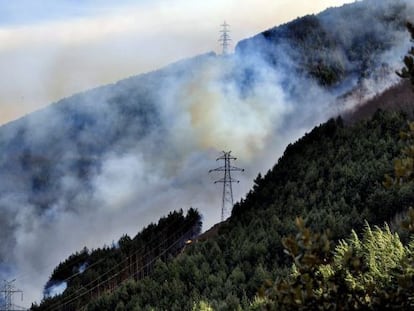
<point x="110" y="160"/>
<point x="332" y="177"/>
<point x="398" y="97"/>
<point x="336" y="45"/>
<point x="86" y="274"/>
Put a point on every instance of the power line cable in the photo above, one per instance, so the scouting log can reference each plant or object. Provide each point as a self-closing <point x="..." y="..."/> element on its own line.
<point x="69" y="299"/>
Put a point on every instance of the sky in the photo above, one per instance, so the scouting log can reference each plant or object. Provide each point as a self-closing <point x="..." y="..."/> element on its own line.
<point x="51" y="49"/>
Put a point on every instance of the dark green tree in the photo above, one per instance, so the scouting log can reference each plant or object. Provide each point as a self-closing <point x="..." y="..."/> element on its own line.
<point x="408" y="71"/>
<point x="370" y="271"/>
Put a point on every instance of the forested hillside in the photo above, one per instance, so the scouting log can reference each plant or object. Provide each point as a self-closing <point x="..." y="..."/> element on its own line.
<point x="330" y="48"/>
<point x="332" y="177"/>
<point x="89" y="273"/>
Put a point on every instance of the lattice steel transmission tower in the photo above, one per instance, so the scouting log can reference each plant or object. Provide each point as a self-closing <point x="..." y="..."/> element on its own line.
<point x="9" y="290"/>
<point x="227" y="180"/>
<point x="225" y="38"/>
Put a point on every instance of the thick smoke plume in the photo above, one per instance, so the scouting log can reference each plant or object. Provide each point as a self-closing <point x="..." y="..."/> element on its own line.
<point x="107" y="162"/>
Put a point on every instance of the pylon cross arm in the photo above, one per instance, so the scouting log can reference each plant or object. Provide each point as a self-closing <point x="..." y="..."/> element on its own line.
<point x="233" y="168"/>
<point x="219" y="169"/>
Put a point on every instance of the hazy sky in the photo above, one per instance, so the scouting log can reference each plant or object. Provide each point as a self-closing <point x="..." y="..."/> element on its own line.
<point x="50" y="49"/>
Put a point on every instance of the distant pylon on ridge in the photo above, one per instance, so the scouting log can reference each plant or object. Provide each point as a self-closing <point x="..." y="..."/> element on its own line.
<point x="227" y="180"/>
<point x="225" y="38"/>
<point x="9" y="290"/>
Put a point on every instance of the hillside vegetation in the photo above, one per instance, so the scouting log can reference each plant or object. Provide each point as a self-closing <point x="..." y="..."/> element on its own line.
<point x="330" y="49"/>
<point x="87" y="274"/>
<point x="332" y="176"/>
<point x="398" y="97"/>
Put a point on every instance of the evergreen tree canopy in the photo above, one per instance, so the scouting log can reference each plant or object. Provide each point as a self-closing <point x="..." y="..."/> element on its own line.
<point x="332" y="176"/>
<point x="408" y="71"/>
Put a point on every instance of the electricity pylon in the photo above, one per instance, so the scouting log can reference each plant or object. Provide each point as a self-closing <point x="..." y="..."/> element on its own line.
<point x="225" y="38"/>
<point x="227" y="180"/>
<point x="9" y="290"/>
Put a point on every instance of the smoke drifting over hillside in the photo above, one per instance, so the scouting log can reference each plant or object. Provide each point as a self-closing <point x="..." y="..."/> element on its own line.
<point x="58" y="48"/>
<point x="107" y="162"/>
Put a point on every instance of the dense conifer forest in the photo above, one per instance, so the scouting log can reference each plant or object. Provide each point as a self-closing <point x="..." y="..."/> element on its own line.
<point x="89" y="273"/>
<point x="332" y="177"/>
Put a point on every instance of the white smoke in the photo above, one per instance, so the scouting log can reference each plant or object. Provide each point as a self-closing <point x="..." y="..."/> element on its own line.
<point x="55" y="289"/>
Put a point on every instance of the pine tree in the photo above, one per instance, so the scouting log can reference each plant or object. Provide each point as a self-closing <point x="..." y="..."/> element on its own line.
<point x="408" y="71"/>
